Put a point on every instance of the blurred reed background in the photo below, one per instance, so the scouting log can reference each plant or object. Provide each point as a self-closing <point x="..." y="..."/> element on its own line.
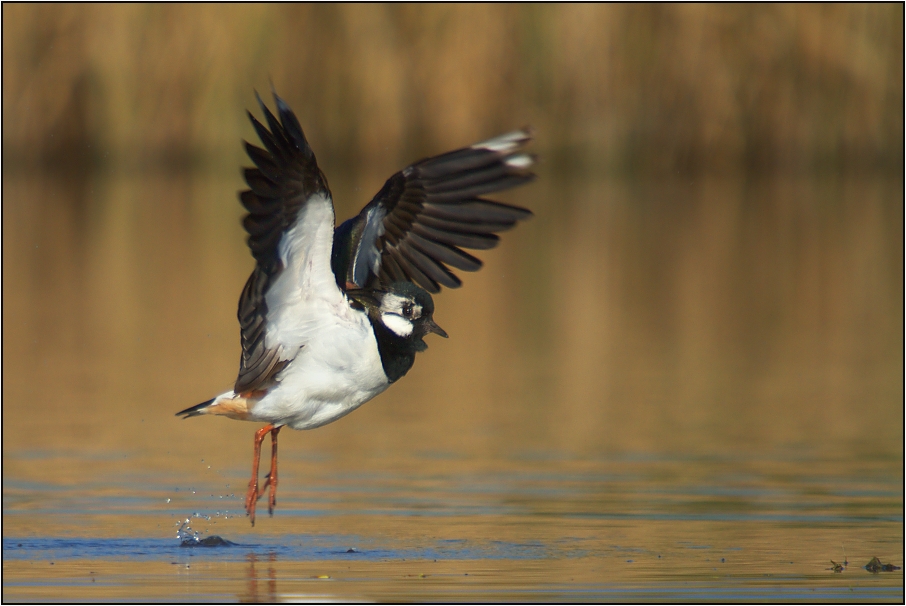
<point x="659" y="88"/>
<point x="716" y="259"/>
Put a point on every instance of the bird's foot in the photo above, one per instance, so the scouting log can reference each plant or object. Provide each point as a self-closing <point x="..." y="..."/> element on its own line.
<point x="251" y="499"/>
<point x="271" y="484"/>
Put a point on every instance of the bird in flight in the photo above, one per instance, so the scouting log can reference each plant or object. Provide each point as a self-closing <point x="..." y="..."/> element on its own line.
<point x="332" y="316"/>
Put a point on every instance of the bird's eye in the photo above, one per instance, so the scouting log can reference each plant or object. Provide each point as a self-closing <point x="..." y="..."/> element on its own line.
<point x="407" y="310"/>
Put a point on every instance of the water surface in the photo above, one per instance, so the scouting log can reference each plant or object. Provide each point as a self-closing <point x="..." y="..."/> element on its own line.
<point x="531" y="528"/>
<point x="664" y="391"/>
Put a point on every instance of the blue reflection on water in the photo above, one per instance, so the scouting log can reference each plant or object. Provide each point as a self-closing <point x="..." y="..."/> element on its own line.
<point x="289" y="547"/>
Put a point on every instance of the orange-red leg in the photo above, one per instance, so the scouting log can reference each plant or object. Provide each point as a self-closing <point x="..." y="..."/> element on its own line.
<point x="251" y="497"/>
<point x="271" y="480"/>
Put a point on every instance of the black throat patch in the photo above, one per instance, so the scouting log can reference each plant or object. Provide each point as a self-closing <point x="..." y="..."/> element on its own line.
<point x="397" y="353"/>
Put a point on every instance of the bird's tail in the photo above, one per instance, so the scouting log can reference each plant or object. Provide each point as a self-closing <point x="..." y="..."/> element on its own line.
<point x="197" y="410"/>
<point x="228" y="404"/>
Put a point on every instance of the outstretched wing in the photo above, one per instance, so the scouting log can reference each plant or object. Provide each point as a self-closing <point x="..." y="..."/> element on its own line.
<point x="290" y="226"/>
<point x="415" y="228"/>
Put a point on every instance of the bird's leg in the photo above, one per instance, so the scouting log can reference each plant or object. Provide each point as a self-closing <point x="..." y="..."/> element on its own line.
<point x="271" y="480"/>
<point x="251" y="497"/>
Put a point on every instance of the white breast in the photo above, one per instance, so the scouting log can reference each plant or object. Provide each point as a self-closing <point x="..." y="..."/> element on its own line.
<point x="335" y="366"/>
<point x="337" y="370"/>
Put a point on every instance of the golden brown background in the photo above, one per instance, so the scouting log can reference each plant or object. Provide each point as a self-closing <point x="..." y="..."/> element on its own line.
<point x="715" y="265"/>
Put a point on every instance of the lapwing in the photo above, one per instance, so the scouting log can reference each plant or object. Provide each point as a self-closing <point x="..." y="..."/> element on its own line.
<point x="332" y="316"/>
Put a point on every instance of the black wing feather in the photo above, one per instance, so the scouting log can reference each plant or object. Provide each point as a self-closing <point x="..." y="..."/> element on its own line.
<point x="416" y="227"/>
<point x="456" y="238"/>
<point x="478" y="211"/>
<point x="287" y="175"/>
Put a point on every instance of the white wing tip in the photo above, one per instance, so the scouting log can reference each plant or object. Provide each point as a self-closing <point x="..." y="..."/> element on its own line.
<point x="506" y="143"/>
<point x="520" y="161"/>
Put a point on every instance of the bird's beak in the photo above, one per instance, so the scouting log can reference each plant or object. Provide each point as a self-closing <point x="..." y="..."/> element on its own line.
<point x="433" y="327"/>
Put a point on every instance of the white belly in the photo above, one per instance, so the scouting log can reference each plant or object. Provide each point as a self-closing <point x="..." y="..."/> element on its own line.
<point x="336" y="370"/>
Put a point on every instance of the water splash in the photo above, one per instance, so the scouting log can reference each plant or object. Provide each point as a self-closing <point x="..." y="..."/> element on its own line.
<point x="188" y="537"/>
<point x="185" y="534"/>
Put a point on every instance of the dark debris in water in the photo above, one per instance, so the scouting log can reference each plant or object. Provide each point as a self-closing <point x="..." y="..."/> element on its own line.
<point x="838" y="568"/>
<point x="875" y="566"/>
<point x="211" y="541"/>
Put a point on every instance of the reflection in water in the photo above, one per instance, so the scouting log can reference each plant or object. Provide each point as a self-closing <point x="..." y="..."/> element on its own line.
<point x="705" y="317"/>
<point x="261" y="588"/>
<point x="536" y="528"/>
<point x="657" y="386"/>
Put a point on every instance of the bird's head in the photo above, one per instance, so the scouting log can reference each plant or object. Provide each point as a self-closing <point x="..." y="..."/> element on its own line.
<point x="404" y="309"/>
<point x="408" y="311"/>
